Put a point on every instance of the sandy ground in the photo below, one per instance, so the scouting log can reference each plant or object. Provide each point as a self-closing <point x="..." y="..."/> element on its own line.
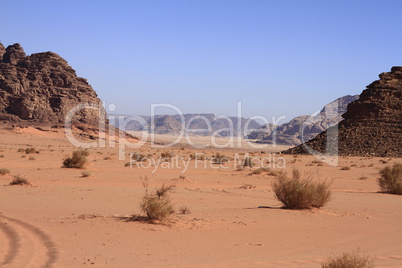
<point x="208" y="142"/>
<point x="66" y="220"/>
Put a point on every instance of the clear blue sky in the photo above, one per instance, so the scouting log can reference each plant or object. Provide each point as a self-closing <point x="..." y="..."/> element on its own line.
<point x="277" y="57"/>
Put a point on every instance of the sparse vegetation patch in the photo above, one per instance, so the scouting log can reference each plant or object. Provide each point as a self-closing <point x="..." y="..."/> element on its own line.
<point x="4" y="171"/>
<point x="157" y="205"/>
<point x="19" y="180"/>
<point x="78" y="160"/>
<point x="349" y="260"/>
<point x="301" y="191"/>
<point x="391" y="179"/>
<point x="86" y="173"/>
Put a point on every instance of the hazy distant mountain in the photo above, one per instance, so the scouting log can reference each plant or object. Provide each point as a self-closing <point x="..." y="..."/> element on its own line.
<point x="303" y="128"/>
<point x="192" y="124"/>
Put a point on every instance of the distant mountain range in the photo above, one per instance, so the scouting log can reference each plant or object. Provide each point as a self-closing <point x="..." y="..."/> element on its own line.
<point x="303" y="128"/>
<point x="192" y="124"/>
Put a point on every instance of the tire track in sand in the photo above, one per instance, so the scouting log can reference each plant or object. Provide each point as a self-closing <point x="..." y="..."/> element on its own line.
<point x="26" y="246"/>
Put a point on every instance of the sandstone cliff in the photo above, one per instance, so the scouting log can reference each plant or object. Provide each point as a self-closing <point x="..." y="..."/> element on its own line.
<point x="372" y="125"/>
<point x="42" y="88"/>
<point x="303" y="128"/>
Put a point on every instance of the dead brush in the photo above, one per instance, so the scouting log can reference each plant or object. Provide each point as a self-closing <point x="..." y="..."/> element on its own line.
<point x="391" y="179"/>
<point x="259" y="171"/>
<point x="301" y="191"/>
<point x="31" y="150"/>
<point x="19" y="180"/>
<point x="247" y="162"/>
<point x="4" y="171"/>
<point x="164" y="190"/>
<point x="184" y="210"/>
<point x="78" y="159"/>
<point x="349" y="260"/>
<point x="220" y="159"/>
<point x="157" y="204"/>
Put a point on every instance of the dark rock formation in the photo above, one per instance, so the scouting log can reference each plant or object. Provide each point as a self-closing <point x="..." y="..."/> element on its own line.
<point x="303" y="128"/>
<point x="42" y="88"/>
<point x="372" y="124"/>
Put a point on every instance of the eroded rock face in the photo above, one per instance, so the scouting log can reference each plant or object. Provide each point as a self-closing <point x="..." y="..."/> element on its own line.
<point x="372" y="125"/>
<point x="2" y="51"/>
<point x="42" y="88"/>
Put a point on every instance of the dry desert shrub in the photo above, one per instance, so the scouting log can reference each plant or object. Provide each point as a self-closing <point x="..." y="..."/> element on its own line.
<point x="78" y="160"/>
<point x="345" y="168"/>
<point x="184" y="210"/>
<point x="301" y="191"/>
<point x="86" y="173"/>
<point x="391" y="179"/>
<point x="19" y="180"/>
<point x="138" y="157"/>
<point x="260" y="170"/>
<point x="157" y="205"/>
<point x="4" y="171"/>
<point x="247" y="162"/>
<point x="247" y="186"/>
<point x="349" y="260"/>
<point x="220" y="159"/>
<point x="31" y="150"/>
<point x="167" y="156"/>
<point x="274" y="172"/>
<point x="164" y="190"/>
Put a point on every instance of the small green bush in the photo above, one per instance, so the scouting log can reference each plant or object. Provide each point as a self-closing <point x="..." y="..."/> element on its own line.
<point x="391" y="179"/>
<point x="301" y="193"/>
<point x="4" y="171"/>
<point x="349" y="260"/>
<point x="78" y="160"/>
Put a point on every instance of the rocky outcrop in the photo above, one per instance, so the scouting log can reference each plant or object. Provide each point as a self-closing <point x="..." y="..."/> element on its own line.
<point x="42" y="88"/>
<point x="303" y="128"/>
<point x="2" y="51"/>
<point x="372" y="125"/>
